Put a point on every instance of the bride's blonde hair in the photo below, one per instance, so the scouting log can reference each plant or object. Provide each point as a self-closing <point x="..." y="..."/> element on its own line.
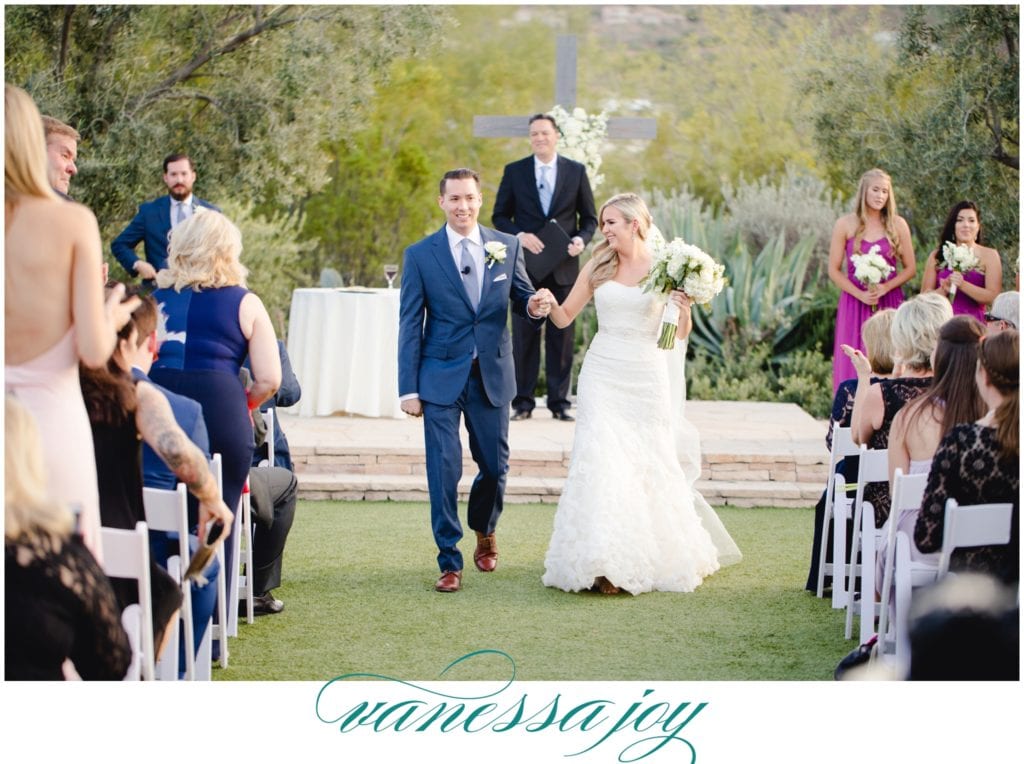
<point x="605" y="258"/>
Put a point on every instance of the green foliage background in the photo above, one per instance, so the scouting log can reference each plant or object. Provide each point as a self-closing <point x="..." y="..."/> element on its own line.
<point x="324" y="129"/>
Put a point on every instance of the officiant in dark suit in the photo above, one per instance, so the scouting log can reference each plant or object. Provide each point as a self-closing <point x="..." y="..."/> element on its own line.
<point x="533" y="192"/>
<point x="455" y="362"/>
<point x="155" y="219"/>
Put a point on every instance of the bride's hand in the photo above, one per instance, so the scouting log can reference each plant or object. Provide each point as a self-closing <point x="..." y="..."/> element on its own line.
<point x="680" y="298"/>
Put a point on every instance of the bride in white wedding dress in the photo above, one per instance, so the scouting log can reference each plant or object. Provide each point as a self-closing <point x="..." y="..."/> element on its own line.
<point x="629" y="518"/>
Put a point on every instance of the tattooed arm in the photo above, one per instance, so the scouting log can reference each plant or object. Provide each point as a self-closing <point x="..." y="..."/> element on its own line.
<point x="156" y="424"/>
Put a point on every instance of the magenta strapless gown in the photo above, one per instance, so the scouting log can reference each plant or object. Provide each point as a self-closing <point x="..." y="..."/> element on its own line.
<point x="852" y="313"/>
<point x="964" y="305"/>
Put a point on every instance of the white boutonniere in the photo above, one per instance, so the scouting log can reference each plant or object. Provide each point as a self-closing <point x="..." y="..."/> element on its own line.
<point x="496" y="253"/>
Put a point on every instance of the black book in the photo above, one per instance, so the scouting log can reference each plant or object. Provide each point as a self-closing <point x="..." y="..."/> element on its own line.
<point x="556" y="245"/>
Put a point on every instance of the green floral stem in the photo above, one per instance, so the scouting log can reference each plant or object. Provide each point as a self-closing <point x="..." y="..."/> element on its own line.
<point x="667" y="337"/>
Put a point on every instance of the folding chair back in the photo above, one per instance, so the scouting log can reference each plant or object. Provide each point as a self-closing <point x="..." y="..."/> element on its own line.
<point x="842" y="446"/>
<point x="972" y="525"/>
<point x="167" y="511"/>
<point x="873" y="468"/>
<point x="126" y="555"/>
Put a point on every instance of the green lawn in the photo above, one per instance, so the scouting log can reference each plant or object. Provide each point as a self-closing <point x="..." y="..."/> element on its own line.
<point x="358" y="588"/>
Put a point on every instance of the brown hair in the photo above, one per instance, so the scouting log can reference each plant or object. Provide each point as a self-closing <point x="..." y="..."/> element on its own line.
<point x="109" y="391"/>
<point x="999" y="355"/>
<point x="952" y="395"/>
<point x="53" y="126"/>
<point x="462" y="173"/>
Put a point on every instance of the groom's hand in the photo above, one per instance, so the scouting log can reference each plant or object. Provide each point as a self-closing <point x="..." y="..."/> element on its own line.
<point x="540" y="303"/>
<point x="413" y="407"/>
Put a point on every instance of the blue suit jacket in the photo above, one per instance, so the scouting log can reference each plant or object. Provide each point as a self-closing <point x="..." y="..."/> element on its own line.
<point x="438" y="328"/>
<point x="150" y="225"/>
<point x="189" y="416"/>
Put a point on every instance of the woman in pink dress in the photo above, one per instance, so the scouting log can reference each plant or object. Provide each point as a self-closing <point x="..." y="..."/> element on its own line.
<point x="873" y="223"/>
<point x="977" y="287"/>
<point x="54" y="311"/>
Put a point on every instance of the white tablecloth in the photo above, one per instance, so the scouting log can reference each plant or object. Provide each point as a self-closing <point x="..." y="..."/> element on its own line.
<point x="343" y="345"/>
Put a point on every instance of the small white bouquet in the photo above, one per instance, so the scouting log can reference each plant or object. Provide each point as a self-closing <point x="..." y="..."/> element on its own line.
<point x="871" y="268"/>
<point x="959" y="258"/>
<point x="678" y="265"/>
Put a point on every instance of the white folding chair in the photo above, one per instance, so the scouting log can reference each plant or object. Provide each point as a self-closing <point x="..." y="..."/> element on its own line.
<point x="167" y="511"/>
<point x="907" y="494"/>
<point x="240" y="586"/>
<point x="219" y="630"/>
<point x="126" y="555"/>
<point x="873" y="468"/>
<point x="971" y="525"/>
<point x="842" y="446"/>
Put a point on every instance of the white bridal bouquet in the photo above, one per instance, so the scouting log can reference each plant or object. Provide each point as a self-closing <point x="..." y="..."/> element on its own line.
<point x="871" y="268"/>
<point x="678" y="265"/>
<point x="959" y="258"/>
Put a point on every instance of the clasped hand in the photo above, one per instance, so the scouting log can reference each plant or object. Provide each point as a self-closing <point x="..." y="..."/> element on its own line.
<point x="542" y="302"/>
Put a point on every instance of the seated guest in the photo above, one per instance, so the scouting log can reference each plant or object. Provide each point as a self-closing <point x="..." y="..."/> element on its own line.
<point x="1004" y="313"/>
<point x="965" y="628"/>
<point x="979" y="463"/>
<point x="915" y="333"/>
<point x="877" y="335"/>
<point x="139" y="352"/>
<point x="58" y="604"/>
<point x="952" y="399"/>
<point x="273" y="492"/>
<point x="122" y="411"/>
<point x="288" y="394"/>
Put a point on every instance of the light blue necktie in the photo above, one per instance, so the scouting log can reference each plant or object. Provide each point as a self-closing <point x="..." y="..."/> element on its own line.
<point x="180" y="213"/>
<point x="544" y="188"/>
<point x="469" y="278"/>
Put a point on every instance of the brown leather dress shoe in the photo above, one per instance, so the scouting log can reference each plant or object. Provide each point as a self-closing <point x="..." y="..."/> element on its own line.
<point x="450" y="581"/>
<point x="486" y="554"/>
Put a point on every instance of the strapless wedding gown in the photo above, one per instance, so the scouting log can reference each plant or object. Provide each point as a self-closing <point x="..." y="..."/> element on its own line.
<point x="628" y="510"/>
<point x="48" y="387"/>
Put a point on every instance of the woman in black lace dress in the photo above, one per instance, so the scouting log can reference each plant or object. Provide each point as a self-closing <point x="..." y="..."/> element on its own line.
<point x="979" y="463"/>
<point x="58" y="604"/>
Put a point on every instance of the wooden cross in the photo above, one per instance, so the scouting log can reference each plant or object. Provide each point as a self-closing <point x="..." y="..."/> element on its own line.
<point x="565" y="96"/>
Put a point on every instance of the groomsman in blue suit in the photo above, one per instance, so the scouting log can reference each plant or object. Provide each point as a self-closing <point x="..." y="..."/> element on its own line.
<point x="455" y="360"/>
<point x="155" y="219"/>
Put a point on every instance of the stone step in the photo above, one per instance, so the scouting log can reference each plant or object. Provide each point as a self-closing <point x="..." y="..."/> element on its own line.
<point x="728" y="467"/>
<point x="543" y="490"/>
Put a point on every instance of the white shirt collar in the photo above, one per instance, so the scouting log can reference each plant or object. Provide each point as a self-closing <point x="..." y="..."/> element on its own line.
<point x="537" y="164"/>
<point x="454" y="237"/>
<point x="187" y="201"/>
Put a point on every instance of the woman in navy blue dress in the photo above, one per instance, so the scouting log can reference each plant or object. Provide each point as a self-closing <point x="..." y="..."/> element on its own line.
<point x="208" y="323"/>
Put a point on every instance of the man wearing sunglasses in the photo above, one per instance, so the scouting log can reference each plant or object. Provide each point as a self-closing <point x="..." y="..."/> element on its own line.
<point x="1004" y="313"/>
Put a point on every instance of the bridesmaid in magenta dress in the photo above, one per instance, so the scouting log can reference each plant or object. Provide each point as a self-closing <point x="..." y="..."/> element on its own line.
<point x="976" y="288"/>
<point x="873" y="222"/>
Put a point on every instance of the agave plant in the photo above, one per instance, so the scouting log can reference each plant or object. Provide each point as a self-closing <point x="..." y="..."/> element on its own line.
<point x="773" y="295"/>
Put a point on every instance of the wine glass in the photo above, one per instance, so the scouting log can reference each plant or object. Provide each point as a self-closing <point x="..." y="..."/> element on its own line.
<point x="390" y="271"/>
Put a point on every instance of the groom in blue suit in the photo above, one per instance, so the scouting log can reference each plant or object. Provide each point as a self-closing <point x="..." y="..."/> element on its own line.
<point x="155" y="219"/>
<point x="455" y="360"/>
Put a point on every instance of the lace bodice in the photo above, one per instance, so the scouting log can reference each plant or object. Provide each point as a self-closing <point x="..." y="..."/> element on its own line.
<point x="968" y="467"/>
<point x="58" y="605"/>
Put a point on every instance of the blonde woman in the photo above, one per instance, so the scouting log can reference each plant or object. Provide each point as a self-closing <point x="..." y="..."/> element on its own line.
<point x="58" y="604"/>
<point x="54" y="311"/>
<point x="915" y="334"/>
<point x="628" y="518"/>
<point x="210" y="322"/>
<point x="873" y="223"/>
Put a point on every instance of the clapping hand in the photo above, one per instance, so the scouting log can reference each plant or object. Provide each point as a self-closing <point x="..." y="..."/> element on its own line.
<point x="859" y="360"/>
